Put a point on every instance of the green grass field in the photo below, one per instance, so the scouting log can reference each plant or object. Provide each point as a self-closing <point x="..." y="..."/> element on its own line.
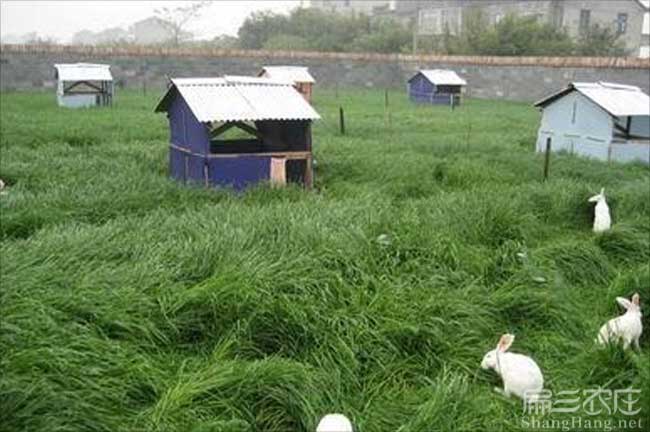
<point x="132" y="303"/>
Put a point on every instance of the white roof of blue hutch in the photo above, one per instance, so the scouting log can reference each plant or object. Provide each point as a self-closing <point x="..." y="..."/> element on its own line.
<point x="442" y="77"/>
<point x="234" y="98"/>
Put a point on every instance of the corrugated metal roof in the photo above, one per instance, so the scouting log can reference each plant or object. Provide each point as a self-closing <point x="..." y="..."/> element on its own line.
<point x="617" y="99"/>
<point x="238" y="79"/>
<point x="295" y="74"/>
<point x="442" y="77"/>
<point x="83" y="72"/>
<point x="240" y="99"/>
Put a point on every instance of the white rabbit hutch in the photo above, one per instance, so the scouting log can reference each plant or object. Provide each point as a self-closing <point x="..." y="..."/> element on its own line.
<point x="605" y="121"/>
<point x="81" y="85"/>
<point x="298" y="75"/>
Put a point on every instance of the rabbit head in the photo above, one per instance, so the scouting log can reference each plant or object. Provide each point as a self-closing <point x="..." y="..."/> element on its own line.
<point x="334" y="423"/>
<point x="598" y="197"/>
<point x="491" y="359"/>
<point x="633" y="306"/>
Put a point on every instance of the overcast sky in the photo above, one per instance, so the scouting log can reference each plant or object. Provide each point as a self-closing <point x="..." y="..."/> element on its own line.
<point x="62" y="19"/>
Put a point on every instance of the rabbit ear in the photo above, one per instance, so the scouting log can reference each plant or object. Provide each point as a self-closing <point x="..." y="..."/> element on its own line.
<point x="636" y="299"/>
<point x="602" y="191"/>
<point x="624" y="302"/>
<point x="505" y="342"/>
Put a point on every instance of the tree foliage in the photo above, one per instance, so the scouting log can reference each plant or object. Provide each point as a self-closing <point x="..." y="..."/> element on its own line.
<point x="517" y="36"/>
<point x="260" y="27"/>
<point x="600" y="41"/>
<point x="286" y="42"/>
<point x="313" y="29"/>
<point x="322" y="31"/>
<point x="385" y="36"/>
<point x="522" y="36"/>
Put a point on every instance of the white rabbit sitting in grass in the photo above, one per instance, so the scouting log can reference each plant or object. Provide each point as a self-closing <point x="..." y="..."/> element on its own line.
<point x="602" y="219"/>
<point x="520" y="374"/>
<point x="334" y="423"/>
<point x="627" y="327"/>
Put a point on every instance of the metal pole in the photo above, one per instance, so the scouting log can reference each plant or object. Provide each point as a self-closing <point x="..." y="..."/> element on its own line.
<point x="342" y="120"/>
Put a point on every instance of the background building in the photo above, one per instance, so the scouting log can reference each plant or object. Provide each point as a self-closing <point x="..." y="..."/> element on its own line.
<point x="625" y="17"/>
<point x="435" y="17"/>
<point x="368" y="7"/>
<point x="152" y="30"/>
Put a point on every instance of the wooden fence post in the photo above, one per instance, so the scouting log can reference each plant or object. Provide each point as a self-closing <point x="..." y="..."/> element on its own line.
<point x="547" y="157"/>
<point x="342" y="120"/>
<point x="144" y="78"/>
<point x="387" y="117"/>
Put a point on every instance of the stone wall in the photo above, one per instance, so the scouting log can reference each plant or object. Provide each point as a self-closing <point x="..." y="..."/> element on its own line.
<point x="514" y="78"/>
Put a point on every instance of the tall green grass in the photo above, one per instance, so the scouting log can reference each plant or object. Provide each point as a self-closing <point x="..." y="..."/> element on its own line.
<point x="130" y="302"/>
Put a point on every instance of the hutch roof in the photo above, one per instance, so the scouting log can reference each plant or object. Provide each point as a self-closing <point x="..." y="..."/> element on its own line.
<point x="234" y="98"/>
<point x="83" y="72"/>
<point x="295" y="74"/>
<point x="616" y="99"/>
<point x="441" y="77"/>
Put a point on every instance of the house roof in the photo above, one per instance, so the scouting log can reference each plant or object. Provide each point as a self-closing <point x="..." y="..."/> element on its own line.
<point x="234" y="98"/>
<point x="83" y="72"/>
<point x="617" y="99"/>
<point x="296" y="74"/>
<point x="441" y="77"/>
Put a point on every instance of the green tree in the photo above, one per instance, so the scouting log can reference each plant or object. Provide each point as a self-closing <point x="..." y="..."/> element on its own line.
<point x="600" y="41"/>
<point x="313" y="29"/>
<point x="286" y="42"/>
<point x="225" y="41"/>
<point x="512" y="36"/>
<point x="552" y="42"/>
<point x="328" y="31"/>
<point x="474" y="33"/>
<point x="259" y="27"/>
<point x="386" y="36"/>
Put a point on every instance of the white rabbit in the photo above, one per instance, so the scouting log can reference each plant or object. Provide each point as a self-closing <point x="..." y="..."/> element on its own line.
<point x="602" y="219"/>
<point x="626" y="327"/>
<point x="334" y="423"/>
<point x="520" y="374"/>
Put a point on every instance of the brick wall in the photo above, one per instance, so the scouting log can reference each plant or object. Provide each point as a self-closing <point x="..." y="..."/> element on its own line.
<point x="515" y="78"/>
